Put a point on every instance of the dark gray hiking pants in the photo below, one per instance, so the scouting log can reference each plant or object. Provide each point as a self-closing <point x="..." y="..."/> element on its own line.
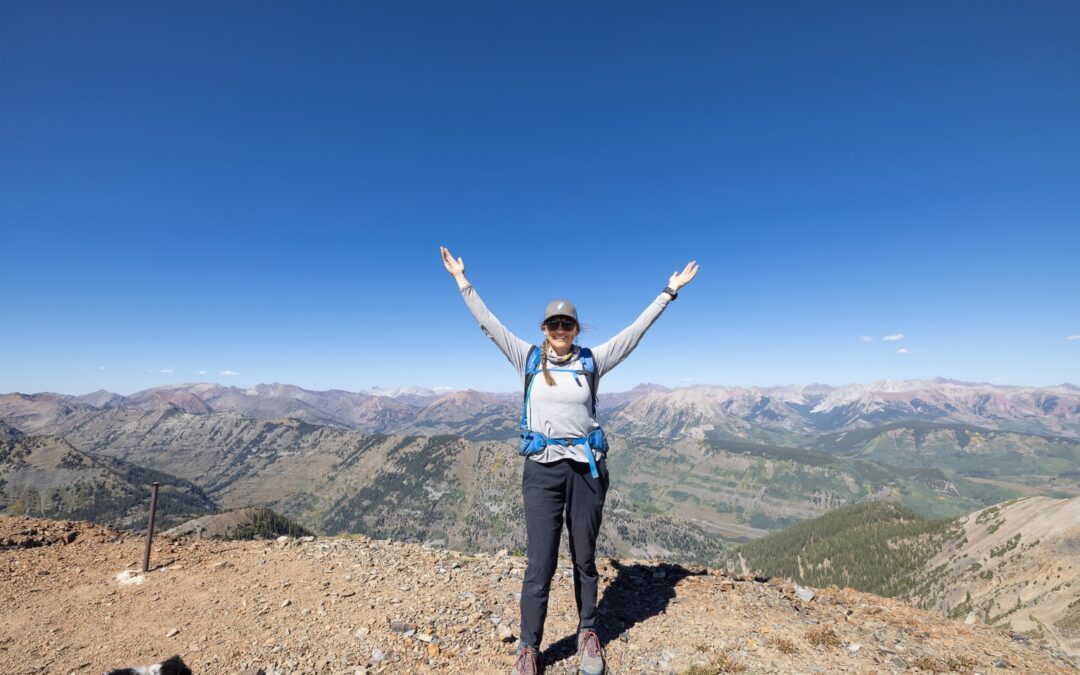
<point x="549" y="490"/>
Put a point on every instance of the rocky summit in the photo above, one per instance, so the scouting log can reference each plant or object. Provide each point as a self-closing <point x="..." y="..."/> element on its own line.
<point x="75" y="602"/>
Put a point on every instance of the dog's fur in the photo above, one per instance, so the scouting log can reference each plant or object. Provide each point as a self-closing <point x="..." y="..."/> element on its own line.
<point x="171" y="666"/>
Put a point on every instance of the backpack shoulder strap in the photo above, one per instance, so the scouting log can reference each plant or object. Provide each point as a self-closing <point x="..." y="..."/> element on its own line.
<point x="532" y="367"/>
<point x="588" y="364"/>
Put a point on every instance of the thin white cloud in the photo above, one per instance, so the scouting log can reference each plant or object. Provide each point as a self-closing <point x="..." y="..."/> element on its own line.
<point x="444" y="387"/>
<point x="691" y="379"/>
<point x="101" y="367"/>
<point x="893" y="338"/>
<point x="202" y="372"/>
<point x="902" y="351"/>
<point x="229" y="372"/>
<point x="166" y="370"/>
<point x="866" y="338"/>
<point x="1073" y="337"/>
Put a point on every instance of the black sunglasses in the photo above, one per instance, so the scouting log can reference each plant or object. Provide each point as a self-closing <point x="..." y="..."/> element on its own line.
<point x="565" y="324"/>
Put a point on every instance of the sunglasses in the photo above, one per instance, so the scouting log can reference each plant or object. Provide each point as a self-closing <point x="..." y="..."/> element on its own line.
<point x="564" y="324"/>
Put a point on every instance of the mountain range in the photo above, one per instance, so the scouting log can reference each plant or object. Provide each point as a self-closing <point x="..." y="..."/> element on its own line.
<point x="692" y="467"/>
<point x="701" y="411"/>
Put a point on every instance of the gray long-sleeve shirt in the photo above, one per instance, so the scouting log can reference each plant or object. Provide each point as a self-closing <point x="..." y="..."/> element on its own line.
<point x="563" y="410"/>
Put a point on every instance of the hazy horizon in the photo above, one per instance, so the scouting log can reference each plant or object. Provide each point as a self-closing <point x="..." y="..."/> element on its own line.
<point x="446" y="389"/>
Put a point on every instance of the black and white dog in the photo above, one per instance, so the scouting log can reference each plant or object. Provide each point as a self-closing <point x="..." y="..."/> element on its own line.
<point x="172" y="666"/>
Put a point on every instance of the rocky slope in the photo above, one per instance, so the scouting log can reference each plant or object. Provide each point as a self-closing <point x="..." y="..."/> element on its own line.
<point x="8" y="432"/>
<point x="74" y="604"/>
<point x="1016" y="565"/>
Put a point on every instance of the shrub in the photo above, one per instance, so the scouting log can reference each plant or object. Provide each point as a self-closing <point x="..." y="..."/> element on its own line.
<point x="823" y="636"/>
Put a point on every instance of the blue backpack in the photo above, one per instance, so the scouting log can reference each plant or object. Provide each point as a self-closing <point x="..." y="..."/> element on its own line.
<point x="533" y="441"/>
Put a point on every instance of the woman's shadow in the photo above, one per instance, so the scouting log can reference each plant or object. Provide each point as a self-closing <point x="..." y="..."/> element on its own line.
<point x="639" y="591"/>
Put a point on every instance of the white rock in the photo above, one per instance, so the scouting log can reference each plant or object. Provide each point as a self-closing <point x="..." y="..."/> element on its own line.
<point x="129" y="578"/>
<point x="505" y="634"/>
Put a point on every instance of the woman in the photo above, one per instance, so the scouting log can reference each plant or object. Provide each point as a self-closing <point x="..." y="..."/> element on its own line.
<point x="565" y="470"/>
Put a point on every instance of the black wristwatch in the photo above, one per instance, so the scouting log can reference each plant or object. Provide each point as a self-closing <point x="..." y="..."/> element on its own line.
<point x="670" y="291"/>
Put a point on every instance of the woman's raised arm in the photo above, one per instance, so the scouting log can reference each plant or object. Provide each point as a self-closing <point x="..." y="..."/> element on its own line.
<point x="612" y="352"/>
<point x="514" y="348"/>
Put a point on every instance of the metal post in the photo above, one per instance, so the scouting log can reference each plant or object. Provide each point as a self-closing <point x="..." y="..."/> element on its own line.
<point x="150" y="529"/>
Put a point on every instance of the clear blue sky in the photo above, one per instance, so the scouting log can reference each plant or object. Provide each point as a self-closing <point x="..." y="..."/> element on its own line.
<point x="261" y="189"/>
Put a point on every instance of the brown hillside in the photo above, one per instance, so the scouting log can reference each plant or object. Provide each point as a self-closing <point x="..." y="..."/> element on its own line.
<point x="371" y="606"/>
<point x="1018" y="566"/>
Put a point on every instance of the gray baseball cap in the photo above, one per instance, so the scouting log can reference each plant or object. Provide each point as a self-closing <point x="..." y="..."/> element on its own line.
<point x="560" y="308"/>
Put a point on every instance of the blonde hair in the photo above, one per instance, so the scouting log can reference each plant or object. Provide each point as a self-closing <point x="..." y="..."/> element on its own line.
<point x="543" y="363"/>
<point x="544" y="356"/>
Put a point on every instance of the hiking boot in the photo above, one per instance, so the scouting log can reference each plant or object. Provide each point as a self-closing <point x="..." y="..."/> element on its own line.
<point x="528" y="661"/>
<point x="590" y="653"/>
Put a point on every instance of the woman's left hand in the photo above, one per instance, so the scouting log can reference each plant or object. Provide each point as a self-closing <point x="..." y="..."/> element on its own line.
<point x="680" y="279"/>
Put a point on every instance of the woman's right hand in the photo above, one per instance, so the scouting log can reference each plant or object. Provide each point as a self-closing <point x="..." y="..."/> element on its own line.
<point x="454" y="267"/>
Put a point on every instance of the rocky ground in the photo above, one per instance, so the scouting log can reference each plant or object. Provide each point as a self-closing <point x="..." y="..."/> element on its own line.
<point x="73" y="602"/>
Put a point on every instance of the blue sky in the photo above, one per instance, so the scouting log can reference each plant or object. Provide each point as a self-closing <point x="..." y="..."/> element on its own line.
<point x="262" y="188"/>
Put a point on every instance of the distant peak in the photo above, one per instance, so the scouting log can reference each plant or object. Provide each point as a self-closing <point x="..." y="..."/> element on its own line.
<point x="649" y="386"/>
<point x="398" y="392"/>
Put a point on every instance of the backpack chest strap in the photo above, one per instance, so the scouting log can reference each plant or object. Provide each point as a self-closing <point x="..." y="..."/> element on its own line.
<point x="532" y="368"/>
